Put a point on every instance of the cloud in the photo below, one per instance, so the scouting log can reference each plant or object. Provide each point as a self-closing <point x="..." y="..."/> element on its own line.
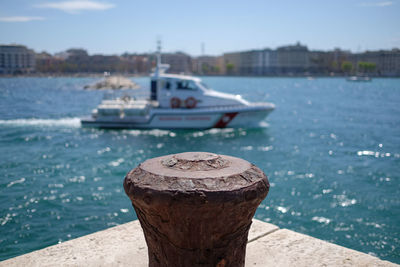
<point x="20" y="19"/>
<point x="377" y="4"/>
<point x="76" y="6"/>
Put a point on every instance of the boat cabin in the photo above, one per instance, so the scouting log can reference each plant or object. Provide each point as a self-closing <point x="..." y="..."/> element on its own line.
<point x="177" y="91"/>
<point x="180" y="91"/>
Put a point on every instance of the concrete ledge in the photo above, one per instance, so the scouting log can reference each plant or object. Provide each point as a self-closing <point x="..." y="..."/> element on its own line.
<point x="124" y="245"/>
<point x="288" y="248"/>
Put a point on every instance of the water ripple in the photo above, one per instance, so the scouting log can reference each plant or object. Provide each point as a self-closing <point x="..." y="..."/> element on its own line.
<point x="19" y="181"/>
<point x="68" y="122"/>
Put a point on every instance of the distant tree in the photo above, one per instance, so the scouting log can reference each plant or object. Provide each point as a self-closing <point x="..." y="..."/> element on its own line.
<point x="205" y="69"/>
<point x="334" y="65"/>
<point x="366" y="67"/>
<point x="346" y="67"/>
<point x="229" y="68"/>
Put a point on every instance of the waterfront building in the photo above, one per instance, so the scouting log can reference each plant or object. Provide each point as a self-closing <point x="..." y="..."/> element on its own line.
<point x="16" y="59"/>
<point x="102" y="63"/>
<point x="206" y="65"/>
<point x="46" y="63"/>
<point x="387" y="61"/>
<point x="77" y="54"/>
<point x="142" y="64"/>
<point x="220" y="65"/>
<point x="337" y="57"/>
<point x="287" y="59"/>
<point x="62" y="55"/>
<point x="258" y="62"/>
<point x="320" y="62"/>
<point x="179" y="62"/>
<point x="232" y="63"/>
<point x="252" y="63"/>
<point x="270" y="62"/>
<point x="293" y="59"/>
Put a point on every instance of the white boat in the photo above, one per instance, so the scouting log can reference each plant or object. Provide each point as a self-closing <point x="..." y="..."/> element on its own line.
<point x="178" y="101"/>
<point x="359" y="79"/>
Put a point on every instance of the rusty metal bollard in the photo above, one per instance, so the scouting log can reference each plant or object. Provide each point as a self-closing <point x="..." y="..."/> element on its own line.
<point x="196" y="208"/>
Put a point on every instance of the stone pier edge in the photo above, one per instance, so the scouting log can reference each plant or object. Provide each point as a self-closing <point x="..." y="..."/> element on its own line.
<point x="124" y="245"/>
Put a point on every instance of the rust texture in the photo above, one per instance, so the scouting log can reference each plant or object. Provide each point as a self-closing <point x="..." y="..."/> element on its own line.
<point x="196" y="208"/>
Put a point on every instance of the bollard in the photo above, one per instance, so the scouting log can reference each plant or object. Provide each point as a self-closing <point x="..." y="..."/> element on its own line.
<point x="196" y="208"/>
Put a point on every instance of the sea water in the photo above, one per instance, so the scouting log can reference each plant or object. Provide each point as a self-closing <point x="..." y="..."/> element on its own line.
<point x="331" y="151"/>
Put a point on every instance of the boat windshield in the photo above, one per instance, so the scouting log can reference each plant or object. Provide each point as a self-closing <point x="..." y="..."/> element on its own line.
<point x="186" y="85"/>
<point x="204" y="86"/>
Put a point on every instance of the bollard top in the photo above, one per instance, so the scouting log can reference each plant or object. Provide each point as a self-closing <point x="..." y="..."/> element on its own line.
<point x="194" y="171"/>
<point x="195" y="165"/>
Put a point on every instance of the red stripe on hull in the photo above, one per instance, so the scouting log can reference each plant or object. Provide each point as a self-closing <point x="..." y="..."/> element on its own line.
<point x="225" y="119"/>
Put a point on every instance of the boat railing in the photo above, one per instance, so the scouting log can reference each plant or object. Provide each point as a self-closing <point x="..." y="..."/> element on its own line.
<point x="226" y="108"/>
<point x="137" y="94"/>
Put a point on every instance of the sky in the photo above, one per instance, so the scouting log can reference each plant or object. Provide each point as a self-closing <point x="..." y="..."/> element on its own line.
<point x="118" y="26"/>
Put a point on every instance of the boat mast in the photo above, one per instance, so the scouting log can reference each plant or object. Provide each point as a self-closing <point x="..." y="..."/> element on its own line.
<point x="155" y="81"/>
<point x="158" y="55"/>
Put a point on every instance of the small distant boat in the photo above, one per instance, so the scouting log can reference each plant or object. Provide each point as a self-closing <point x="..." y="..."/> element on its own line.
<point x="359" y="79"/>
<point x="178" y="101"/>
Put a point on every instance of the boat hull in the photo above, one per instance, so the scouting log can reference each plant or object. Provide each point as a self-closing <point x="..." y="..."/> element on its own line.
<point x="359" y="79"/>
<point x="200" y="118"/>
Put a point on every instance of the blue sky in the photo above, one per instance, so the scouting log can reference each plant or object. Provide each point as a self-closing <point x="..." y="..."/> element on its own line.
<point x="117" y="26"/>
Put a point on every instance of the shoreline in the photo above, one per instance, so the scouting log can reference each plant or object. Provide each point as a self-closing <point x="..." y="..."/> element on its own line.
<point x="101" y="75"/>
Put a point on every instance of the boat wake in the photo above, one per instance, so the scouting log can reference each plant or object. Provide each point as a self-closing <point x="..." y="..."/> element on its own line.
<point x="62" y="122"/>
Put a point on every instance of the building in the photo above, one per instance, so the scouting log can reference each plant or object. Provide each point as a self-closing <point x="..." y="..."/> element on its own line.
<point x="337" y="57"/>
<point x="206" y="65"/>
<point x="320" y="62"/>
<point x="233" y="63"/>
<point x="180" y="63"/>
<point x="259" y="62"/>
<point x="387" y="61"/>
<point x="251" y="63"/>
<point x="293" y="59"/>
<point x="77" y="55"/>
<point x="142" y="63"/>
<point x="46" y="63"/>
<point x="270" y="62"/>
<point x="16" y="59"/>
<point x="298" y="60"/>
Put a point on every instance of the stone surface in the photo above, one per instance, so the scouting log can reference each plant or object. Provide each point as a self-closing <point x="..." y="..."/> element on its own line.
<point x="195" y="208"/>
<point x="288" y="248"/>
<point x="259" y="229"/>
<point x="124" y="245"/>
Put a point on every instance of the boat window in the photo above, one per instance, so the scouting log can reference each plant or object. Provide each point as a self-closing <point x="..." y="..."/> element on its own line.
<point x="186" y="85"/>
<point x="167" y="85"/>
<point x="153" y="95"/>
<point x="204" y="85"/>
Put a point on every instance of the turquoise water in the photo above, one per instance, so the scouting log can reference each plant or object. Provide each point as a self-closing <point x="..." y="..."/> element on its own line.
<point x="331" y="150"/>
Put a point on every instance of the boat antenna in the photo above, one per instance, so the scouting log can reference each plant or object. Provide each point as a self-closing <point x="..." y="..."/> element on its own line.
<point x="158" y="54"/>
<point x="160" y="68"/>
